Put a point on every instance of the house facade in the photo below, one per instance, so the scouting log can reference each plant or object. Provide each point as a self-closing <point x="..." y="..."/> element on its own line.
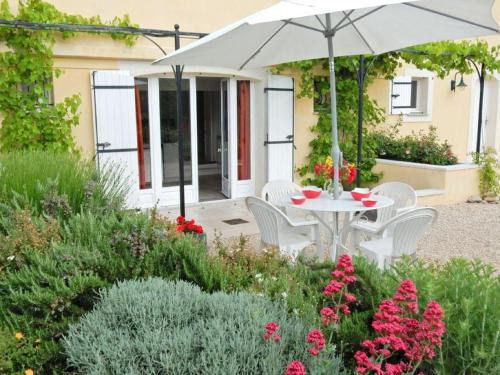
<point x="241" y="128"/>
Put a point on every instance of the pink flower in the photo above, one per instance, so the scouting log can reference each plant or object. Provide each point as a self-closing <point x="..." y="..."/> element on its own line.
<point x="399" y="329"/>
<point x="333" y="287"/>
<point x="349" y="297"/>
<point x="328" y="316"/>
<point x="316" y="338"/>
<point x="295" y="368"/>
<point x="271" y="328"/>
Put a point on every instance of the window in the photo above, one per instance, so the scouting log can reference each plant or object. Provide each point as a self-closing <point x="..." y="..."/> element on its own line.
<point x="48" y="92"/>
<point x="321" y="94"/>
<point x="411" y="96"/>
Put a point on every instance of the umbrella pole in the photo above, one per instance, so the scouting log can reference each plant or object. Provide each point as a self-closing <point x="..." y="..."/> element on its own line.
<point x="333" y="96"/>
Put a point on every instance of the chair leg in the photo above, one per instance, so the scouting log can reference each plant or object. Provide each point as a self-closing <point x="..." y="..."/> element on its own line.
<point x="317" y="239"/>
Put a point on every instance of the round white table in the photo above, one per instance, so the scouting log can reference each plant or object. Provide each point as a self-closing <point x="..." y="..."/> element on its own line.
<point x="325" y="204"/>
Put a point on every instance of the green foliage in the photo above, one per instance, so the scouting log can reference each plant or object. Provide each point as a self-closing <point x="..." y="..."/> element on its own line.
<point x="347" y="105"/>
<point x="445" y="57"/>
<point x="57" y="183"/>
<point x="489" y="175"/>
<point x="468" y="292"/>
<point x="418" y="147"/>
<point x="29" y="119"/>
<point x="153" y="326"/>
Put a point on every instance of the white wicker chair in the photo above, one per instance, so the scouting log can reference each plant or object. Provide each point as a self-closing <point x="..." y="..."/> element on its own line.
<point x="405" y="199"/>
<point x="276" y="229"/>
<point x="403" y="233"/>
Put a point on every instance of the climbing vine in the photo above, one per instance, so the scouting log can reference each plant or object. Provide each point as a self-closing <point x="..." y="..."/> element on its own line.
<point x="30" y="119"/>
<point x="346" y="68"/>
<point x="442" y="57"/>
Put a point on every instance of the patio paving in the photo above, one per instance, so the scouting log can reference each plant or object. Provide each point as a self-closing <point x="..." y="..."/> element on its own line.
<point x="221" y="216"/>
<point x="462" y="230"/>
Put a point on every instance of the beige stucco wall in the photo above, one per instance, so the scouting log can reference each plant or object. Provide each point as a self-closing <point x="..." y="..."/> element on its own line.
<point x="457" y="182"/>
<point x="76" y="80"/>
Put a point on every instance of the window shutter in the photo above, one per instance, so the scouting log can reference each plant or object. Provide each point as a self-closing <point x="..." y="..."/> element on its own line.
<point x="113" y="99"/>
<point x="404" y="94"/>
<point x="280" y="118"/>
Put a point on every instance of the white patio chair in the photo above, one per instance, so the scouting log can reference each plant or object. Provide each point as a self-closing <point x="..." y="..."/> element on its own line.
<point x="278" y="192"/>
<point x="405" y="199"/>
<point x="403" y="233"/>
<point x="276" y="229"/>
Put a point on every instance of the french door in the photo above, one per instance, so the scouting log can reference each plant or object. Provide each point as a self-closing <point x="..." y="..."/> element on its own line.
<point x="225" y="154"/>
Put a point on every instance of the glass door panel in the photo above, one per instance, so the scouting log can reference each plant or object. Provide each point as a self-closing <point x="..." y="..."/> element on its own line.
<point x="143" y="136"/>
<point x="225" y="139"/>
<point x="169" y="132"/>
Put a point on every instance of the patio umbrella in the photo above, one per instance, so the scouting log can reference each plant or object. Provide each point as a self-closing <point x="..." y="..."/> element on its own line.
<point x="295" y="30"/>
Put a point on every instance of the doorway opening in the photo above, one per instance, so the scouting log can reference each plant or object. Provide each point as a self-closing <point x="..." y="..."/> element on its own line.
<point x="208" y="99"/>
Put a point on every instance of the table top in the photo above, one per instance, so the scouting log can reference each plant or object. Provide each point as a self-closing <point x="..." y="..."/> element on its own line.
<point x="325" y="203"/>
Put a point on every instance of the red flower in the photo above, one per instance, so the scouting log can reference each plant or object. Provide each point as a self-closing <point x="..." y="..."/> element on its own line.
<point x="271" y="328"/>
<point x="295" y="368"/>
<point x="316" y="338"/>
<point x="332" y="288"/>
<point x="328" y="316"/>
<point x="181" y="220"/>
<point x="399" y="329"/>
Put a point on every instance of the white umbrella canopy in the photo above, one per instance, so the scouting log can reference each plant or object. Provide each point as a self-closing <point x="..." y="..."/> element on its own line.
<point x="294" y="30"/>
<point x="377" y="26"/>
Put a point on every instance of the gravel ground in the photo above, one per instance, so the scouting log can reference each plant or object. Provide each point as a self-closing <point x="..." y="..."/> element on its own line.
<point x="464" y="230"/>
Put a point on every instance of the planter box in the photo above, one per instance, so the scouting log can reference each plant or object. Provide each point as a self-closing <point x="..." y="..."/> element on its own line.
<point x="457" y="182"/>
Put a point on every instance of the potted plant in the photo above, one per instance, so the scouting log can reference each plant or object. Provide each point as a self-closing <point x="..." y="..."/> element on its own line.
<point x="324" y="173"/>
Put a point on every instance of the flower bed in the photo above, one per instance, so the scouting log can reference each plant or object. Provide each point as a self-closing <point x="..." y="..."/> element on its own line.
<point x="53" y="262"/>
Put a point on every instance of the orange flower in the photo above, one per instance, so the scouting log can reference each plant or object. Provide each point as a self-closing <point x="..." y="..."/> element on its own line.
<point x="29" y="372"/>
<point x="19" y="335"/>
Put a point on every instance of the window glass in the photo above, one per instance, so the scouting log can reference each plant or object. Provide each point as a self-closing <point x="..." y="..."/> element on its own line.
<point x="244" y="144"/>
<point x="143" y="136"/>
<point x="169" y="132"/>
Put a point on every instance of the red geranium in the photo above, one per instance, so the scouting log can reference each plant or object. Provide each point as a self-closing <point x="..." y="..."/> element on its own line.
<point x="190" y="226"/>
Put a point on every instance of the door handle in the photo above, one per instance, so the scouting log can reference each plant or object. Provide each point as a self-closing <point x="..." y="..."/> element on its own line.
<point x="103" y="145"/>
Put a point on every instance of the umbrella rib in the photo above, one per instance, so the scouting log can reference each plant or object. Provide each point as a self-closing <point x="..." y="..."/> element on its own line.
<point x="452" y="17"/>
<point x="359" y="33"/>
<point x="320" y="22"/>
<point x="346" y="16"/>
<point x="304" y="26"/>
<point x="257" y="51"/>
<point x="361" y="17"/>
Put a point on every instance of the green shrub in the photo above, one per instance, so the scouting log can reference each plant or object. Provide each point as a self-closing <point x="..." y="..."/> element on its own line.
<point x="418" y="147"/>
<point x="154" y="326"/>
<point x="57" y="182"/>
<point x="489" y="172"/>
<point x="469" y="293"/>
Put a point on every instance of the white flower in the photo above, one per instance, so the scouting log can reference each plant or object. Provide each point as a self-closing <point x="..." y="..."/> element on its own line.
<point x="260" y="294"/>
<point x="284" y="295"/>
<point x="259" y="277"/>
<point x="274" y="278"/>
<point x="12" y="257"/>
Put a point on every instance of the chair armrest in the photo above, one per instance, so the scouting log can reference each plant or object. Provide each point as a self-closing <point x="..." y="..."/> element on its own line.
<point x="305" y="223"/>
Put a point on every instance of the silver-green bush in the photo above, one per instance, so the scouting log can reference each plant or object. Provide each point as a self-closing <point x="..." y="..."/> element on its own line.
<point x="160" y="327"/>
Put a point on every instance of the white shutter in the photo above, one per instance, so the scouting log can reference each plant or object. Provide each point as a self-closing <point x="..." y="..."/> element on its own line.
<point x="280" y="108"/>
<point x="113" y="102"/>
<point x="402" y="98"/>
